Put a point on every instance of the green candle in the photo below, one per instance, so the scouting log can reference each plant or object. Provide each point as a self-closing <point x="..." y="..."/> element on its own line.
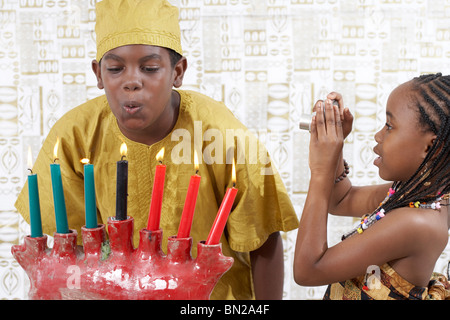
<point x="33" y="200"/>
<point x="58" y="196"/>
<point x="89" y="195"/>
<point x="35" y="209"/>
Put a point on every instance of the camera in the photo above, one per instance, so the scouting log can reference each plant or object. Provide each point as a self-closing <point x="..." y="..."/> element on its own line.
<point x="305" y="119"/>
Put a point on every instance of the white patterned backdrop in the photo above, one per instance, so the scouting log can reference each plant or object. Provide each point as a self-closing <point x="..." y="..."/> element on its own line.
<point x="268" y="60"/>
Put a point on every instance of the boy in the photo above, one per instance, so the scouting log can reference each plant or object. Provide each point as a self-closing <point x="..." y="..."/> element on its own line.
<point x="139" y="61"/>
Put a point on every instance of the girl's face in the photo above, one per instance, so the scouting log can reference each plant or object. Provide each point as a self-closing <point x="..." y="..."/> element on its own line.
<point x="401" y="144"/>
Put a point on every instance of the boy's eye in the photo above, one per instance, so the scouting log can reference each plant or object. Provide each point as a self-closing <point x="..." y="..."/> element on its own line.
<point x="149" y="69"/>
<point x="388" y="126"/>
<point x="114" y="69"/>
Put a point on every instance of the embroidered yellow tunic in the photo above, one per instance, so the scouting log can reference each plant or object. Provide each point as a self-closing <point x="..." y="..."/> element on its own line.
<point x="262" y="205"/>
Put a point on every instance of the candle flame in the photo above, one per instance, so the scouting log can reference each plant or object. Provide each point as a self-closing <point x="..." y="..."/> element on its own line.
<point x="84" y="161"/>
<point x="30" y="158"/>
<point x="196" y="160"/>
<point x="233" y="173"/>
<point x="160" y="155"/>
<point x="55" y="149"/>
<point x="123" y="149"/>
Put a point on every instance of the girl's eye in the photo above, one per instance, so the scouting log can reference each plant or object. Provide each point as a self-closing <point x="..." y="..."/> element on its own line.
<point x="388" y="126"/>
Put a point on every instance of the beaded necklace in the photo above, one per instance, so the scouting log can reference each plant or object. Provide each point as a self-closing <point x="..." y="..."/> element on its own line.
<point x="369" y="219"/>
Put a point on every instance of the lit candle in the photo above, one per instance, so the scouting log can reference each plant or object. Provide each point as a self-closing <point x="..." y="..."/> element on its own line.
<point x="33" y="198"/>
<point x="90" y="207"/>
<point x="157" y="194"/>
<point x="222" y="214"/>
<point x="189" y="205"/>
<point x="58" y="194"/>
<point x="122" y="185"/>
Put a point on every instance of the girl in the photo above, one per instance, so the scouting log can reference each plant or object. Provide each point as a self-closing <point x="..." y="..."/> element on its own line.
<point x="391" y="254"/>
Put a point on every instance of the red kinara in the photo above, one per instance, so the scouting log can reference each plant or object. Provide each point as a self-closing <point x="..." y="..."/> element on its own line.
<point x="114" y="269"/>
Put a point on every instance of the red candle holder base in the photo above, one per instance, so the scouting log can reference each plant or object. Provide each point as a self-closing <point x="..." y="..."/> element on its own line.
<point x="114" y="269"/>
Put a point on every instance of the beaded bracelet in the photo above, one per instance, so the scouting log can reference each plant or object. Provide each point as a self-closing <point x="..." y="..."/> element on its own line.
<point x="344" y="174"/>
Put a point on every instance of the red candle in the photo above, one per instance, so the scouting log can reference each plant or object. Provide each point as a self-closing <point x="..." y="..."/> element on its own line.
<point x="157" y="194"/>
<point x="184" y="229"/>
<point x="222" y="214"/>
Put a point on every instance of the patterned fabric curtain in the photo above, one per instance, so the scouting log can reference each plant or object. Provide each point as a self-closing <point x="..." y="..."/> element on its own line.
<point x="267" y="60"/>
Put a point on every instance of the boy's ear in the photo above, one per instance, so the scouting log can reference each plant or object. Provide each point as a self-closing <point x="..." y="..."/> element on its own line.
<point x="179" y="70"/>
<point x="97" y="71"/>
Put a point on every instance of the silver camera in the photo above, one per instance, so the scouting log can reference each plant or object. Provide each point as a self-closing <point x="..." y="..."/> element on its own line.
<point x="305" y="118"/>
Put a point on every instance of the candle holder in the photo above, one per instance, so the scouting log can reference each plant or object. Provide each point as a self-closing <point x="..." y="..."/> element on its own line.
<point x="114" y="269"/>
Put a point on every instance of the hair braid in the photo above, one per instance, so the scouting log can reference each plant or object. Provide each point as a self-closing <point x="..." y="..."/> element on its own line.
<point x="443" y="85"/>
<point x="427" y="119"/>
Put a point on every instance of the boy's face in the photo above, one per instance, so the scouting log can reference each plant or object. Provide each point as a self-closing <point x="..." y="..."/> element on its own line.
<point x="138" y="82"/>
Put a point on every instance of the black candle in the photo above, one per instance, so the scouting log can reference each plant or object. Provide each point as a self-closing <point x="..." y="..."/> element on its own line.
<point x="122" y="185"/>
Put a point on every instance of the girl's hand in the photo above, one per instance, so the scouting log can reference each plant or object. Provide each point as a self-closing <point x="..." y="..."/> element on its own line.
<point x="344" y="113"/>
<point x="327" y="139"/>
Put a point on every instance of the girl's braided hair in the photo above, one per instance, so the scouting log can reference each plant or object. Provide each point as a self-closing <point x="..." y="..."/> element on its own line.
<point x="431" y="98"/>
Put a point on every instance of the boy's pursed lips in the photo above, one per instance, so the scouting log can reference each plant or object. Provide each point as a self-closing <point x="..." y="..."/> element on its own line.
<point x="131" y="107"/>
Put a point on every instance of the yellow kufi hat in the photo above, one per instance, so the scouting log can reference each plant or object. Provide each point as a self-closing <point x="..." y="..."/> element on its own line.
<point x="124" y="22"/>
